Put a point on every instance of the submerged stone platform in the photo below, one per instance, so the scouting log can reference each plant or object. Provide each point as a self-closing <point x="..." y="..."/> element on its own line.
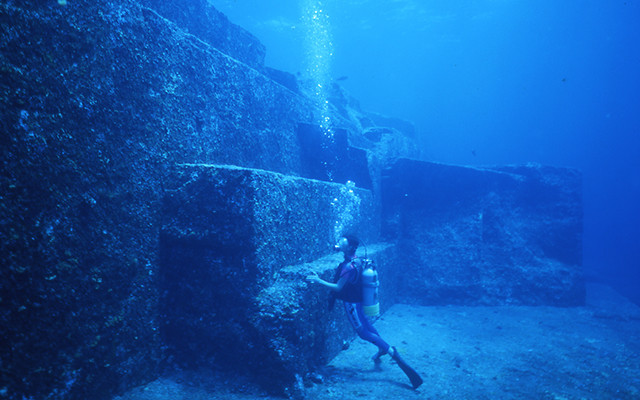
<point x="510" y="235"/>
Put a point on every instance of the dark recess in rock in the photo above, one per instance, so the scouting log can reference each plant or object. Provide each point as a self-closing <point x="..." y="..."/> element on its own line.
<point x="328" y="157"/>
<point x="284" y="78"/>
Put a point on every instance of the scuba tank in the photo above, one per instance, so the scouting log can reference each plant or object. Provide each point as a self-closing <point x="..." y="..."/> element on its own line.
<point x="369" y="280"/>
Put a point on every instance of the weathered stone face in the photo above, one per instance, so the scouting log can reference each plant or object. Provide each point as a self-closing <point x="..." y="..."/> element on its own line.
<point x="486" y="236"/>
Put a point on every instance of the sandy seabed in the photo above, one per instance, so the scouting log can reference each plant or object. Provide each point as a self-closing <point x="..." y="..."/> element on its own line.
<point x="505" y="352"/>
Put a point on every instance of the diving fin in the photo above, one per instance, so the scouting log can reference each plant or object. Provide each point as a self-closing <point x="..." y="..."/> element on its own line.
<point x="411" y="373"/>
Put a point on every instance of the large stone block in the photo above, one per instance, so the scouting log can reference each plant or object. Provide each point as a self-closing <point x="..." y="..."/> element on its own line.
<point x="118" y="78"/>
<point x="281" y="219"/>
<point x="488" y="236"/>
<point x="227" y="234"/>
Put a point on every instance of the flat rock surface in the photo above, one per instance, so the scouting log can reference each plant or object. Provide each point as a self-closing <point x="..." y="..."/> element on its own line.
<point x="470" y="352"/>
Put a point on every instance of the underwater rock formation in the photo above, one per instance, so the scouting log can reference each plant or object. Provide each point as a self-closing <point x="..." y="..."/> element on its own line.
<point x="99" y="100"/>
<point x="103" y="103"/>
<point x="486" y="236"/>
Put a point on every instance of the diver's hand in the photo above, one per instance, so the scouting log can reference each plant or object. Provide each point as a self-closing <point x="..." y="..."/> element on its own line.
<point x="313" y="278"/>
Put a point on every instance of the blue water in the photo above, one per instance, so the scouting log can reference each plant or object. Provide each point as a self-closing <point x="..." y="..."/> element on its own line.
<point x="492" y="82"/>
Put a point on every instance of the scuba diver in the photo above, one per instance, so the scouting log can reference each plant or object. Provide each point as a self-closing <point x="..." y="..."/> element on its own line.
<point x="356" y="284"/>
